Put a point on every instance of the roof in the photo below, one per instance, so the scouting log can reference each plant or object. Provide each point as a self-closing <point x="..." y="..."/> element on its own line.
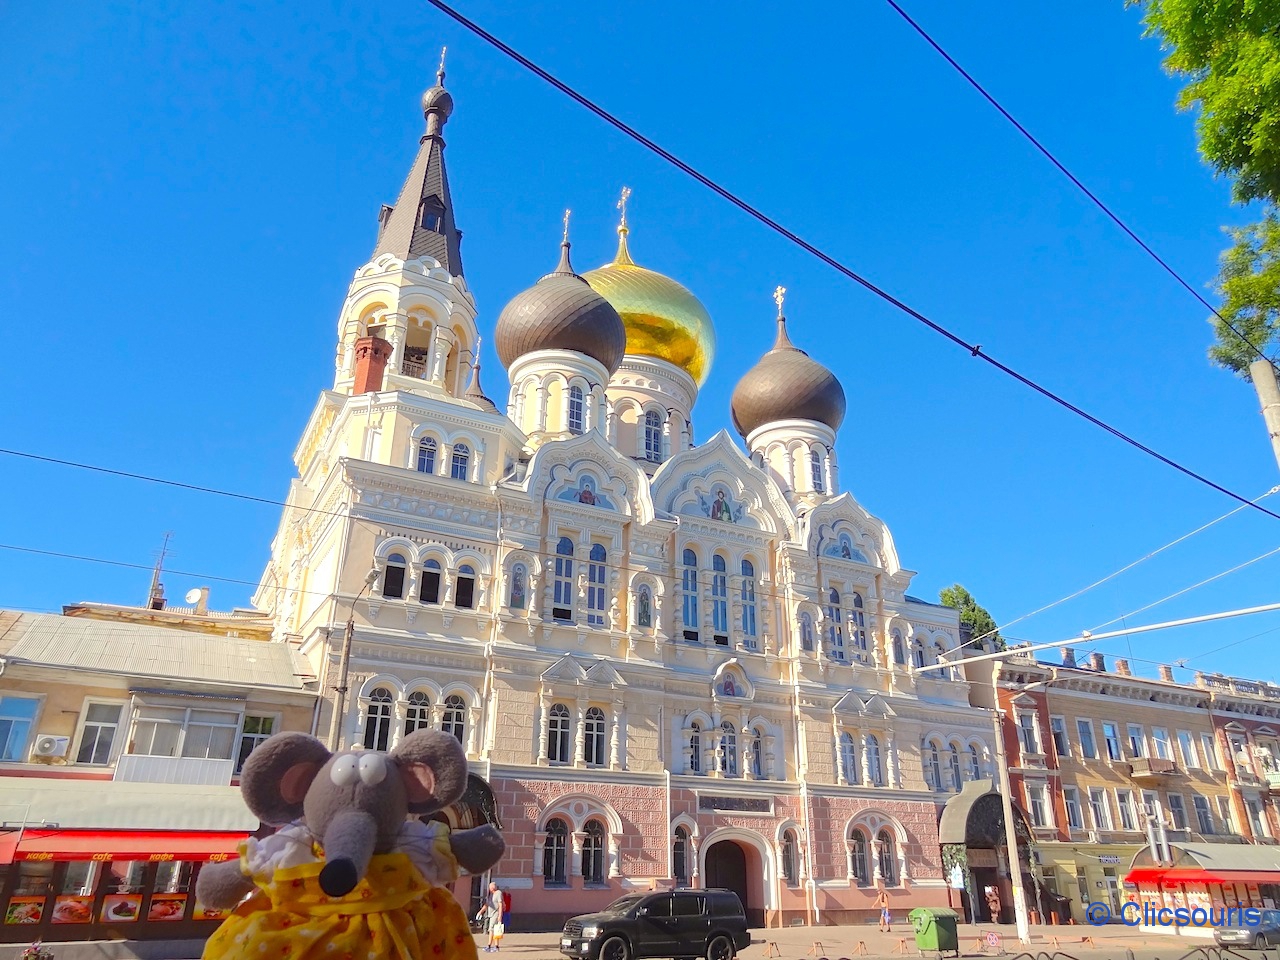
<point x="954" y="822"/>
<point x="110" y="805"/>
<point x="1218" y="857"/>
<point x="786" y="384"/>
<point x="145" y="651"/>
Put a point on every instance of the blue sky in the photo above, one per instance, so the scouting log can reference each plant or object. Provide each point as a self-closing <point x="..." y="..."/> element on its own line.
<point x="189" y="189"/>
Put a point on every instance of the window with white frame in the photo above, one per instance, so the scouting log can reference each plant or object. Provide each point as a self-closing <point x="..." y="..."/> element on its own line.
<point x="157" y="731"/>
<point x="575" y="418"/>
<point x="253" y="732"/>
<point x="728" y="749"/>
<point x="695" y="747"/>
<point x="689" y="595"/>
<point x="1124" y="804"/>
<point x="1027" y="734"/>
<point x="1187" y="744"/>
<point x="719" y="600"/>
<point x="653" y="437"/>
<point x="595" y="585"/>
<point x="849" y="759"/>
<point x="1137" y="741"/>
<point x="1256" y="820"/>
<point x="460" y="461"/>
<point x="562" y="599"/>
<point x="1178" y="811"/>
<point x="429" y="590"/>
<point x="593" y="739"/>
<point x="184" y="732"/>
<point x="748" y="597"/>
<point x="427" y="455"/>
<point x="1058" y="727"/>
<point x="1111" y="736"/>
<point x="932" y="767"/>
<point x="1075" y="818"/>
<point x="555" y="852"/>
<point x="393" y="576"/>
<point x="1209" y="748"/>
<point x="558" y="736"/>
<point x="680" y="857"/>
<point x="1088" y="746"/>
<point x="875" y="768"/>
<point x="1224" y="816"/>
<point x="859" y="862"/>
<point x="464" y="587"/>
<point x="858" y="626"/>
<point x="1037" y="804"/>
<point x="887" y="852"/>
<point x="975" y="763"/>
<point x="835" y="629"/>
<point x="757" y="754"/>
<point x="1160" y="742"/>
<point x="417" y="712"/>
<point x="815" y="470"/>
<point x="98" y="732"/>
<point x="454" y="720"/>
<point x="1099" y="809"/>
<point x="1204" y="818"/>
<point x="953" y="763"/>
<point x="377" y="719"/>
<point x="593" y="852"/>
<point x="790" y="859"/>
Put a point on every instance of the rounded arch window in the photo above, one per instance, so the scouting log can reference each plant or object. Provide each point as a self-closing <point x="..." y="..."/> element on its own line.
<point x="975" y="763"/>
<point x="888" y="858"/>
<point x="576" y="417"/>
<point x="427" y="449"/>
<point x="454" y="721"/>
<point x="748" y="599"/>
<point x="859" y="862"/>
<point x="593" y="745"/>
<point x="459" y="462"/>
<point x="429" y="592"/>
<point x="932" y="766"/>
<point x="417" y="714"/>
<point x="719" y="599"/>
<point x="790" y="859"/>
<point x="464" y="594"/>
<point x="593" y="852"/>
<point x="875" y="769"/>
<point x="595" y="585"/>
<point x="558" y="737"/>
<point x="689" y="595"/>
<point x="849" y="759"/>
<point x="377" y="720"/>
<point x="757" y="754"/>
<point x="555" y="850"/>
<point x="393" y="577"/>
<point x="680" y="857"/>
<point x="815" y="471"/>
<point x="953" y="764"/>
<point x="653" y="437"/>
<point x="728" y="749"/>
<point x="562" y="599"/>
<point x="695" y="747"/>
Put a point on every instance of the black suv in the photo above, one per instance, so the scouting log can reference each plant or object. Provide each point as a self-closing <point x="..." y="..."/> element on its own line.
<point x="682" y="924"/>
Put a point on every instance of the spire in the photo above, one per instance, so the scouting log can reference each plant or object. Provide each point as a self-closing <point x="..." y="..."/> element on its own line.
<point x="783" y="342"/>
<point x="475" y="393"/>
<point x="421" y="222"/>
<point x="564" y="267"/>
<point x="624" y="254"/>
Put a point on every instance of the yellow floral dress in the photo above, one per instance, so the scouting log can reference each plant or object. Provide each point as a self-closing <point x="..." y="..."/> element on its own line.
<point x="394" y="913"/>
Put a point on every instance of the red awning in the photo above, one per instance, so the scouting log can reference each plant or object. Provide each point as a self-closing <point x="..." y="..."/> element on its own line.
<point x="1168" y="876"/>
<point x="155" y="846"/>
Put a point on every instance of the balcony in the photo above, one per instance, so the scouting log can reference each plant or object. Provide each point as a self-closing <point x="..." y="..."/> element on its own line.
<point x="1273" y="779"/>
<point x="192" y="771"/>
<point x="1153" y="769"/>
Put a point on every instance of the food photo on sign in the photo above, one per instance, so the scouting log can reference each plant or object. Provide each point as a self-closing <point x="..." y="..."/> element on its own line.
<point x="167" y="906"/>
<point x="121" y="907"/>
<point x="25" y="910"/>
<point x="73" y="909"/>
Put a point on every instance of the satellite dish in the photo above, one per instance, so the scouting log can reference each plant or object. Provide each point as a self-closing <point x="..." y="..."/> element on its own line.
<point x="193" y="595"/>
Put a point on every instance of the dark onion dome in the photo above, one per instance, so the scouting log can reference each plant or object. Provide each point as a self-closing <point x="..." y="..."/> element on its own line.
<point x="785" y="384"/>
<point x="561" y="312"/>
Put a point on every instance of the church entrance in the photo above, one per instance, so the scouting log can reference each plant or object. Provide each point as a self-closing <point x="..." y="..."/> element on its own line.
<point x="727" y="867"/>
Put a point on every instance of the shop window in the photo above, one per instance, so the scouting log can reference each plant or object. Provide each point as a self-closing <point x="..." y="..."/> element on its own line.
<point x="174" y="876"/>
<point x="593" y="739"/>
<point x="17" y="714"/>
<point x="555" y="847"/>
<point x="558" y="734"/>
<point x="454" y="721"/>
<point x="429" y="591"/>
<point x="417" y="712"/>
<point x="254" y="731"/>
<point x="593" y="852"/>
<point x="790" y="859"/>
<point x="464" y="591"/>
<point x="98" y="733"/>
<point x="393" y="577"/>
<point x="377" y="720"/>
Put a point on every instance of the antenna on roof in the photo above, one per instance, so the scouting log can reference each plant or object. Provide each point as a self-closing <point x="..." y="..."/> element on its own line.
<point x="155" y="599"/>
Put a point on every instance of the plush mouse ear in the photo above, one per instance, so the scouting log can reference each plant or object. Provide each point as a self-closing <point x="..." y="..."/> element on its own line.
<point x="277" y="775"/>
<point x="433" y="767"/>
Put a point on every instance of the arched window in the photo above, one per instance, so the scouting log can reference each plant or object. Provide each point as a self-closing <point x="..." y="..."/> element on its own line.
<point x="393" y="577"/>
<point x="749" y="603"/>
<point x="875" y="770"/>
<point x="432" y="214"/>
<point x="806" y="632"/>
<point x="429" y="591"/>
<point x="464" y="591"/>
<point x="593" y="852"/>
<point x="593" y="746"/>
<point x="689" y="589"/>
<point x="454" y="721"/>
<point x="555" y="849"/>
<point x="575" y="419"/>
<point x="849" y="759"/>
<point x="932" y="766"/>
<point x="899" y="649"/>
<point x="595" y="586"/>
<point x="680" y="857"/>
<point x="975" y="763"/>
<point x="719" y="600"/>
<point x="427" y="455"/>
<point x="835" y="629"/>
<point x="417" y="715"/>
<point x="653" y="437"/>
<point x="815" y="470"/>
<point x="377" y="720"/>
<point x="888" y="858"/>
<point x="953" y="761"/>
<point x="859" y="863"/>
<point x="728" y="749"/>
<point x="858" y="627"/>
<point x="695" y="747"/>
<point x="562" y="608"/>
<point x="461" y="459"/>
<point x="917" y="653"/>
<point x="558" y="739"/>
<point x="757" y="754"/>
<point x="790" y="859"/>
<point x="519" y="597"/>
<point x="644" y="606"/>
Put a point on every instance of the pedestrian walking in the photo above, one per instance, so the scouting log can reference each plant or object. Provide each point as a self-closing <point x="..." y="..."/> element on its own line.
<point x="493" y="914"/>
<point x="886" y="920"/>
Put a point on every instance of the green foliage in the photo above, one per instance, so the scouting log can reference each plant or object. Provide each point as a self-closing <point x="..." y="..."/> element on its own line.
<point x="972" y="614"/>
<point x="1249" y="284"/>
<point x="1230" y="52"/>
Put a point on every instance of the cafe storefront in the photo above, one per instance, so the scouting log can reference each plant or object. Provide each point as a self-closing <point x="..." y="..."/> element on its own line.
<point x="1208" y="876"/>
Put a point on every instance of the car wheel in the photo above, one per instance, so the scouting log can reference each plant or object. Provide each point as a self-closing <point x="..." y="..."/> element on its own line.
<point x="1259" y="942"/>
<point x="615" y="948"/>
<point x="720" y="948"/>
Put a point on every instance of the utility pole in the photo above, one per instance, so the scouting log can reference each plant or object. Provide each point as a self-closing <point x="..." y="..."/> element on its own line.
<point x="1263" y="375"/>
<point x="344" y="664"/>
<point x="1006" y="800"/>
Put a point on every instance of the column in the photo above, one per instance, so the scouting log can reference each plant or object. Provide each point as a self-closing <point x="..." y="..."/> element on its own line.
<point x="542" y="394"/>
<point x="611" y="423"/>
<point x="833" y="466"/>
<point x="477" y="464"/>
<point x="439" y="355"/>
<point x="473" y="727"/>
<point x="615" y="740"/>
<point x="666" y="437"/>
<point x="544" y="720"/>
<point x="614" y="855"/>
<point x="580" y="735"/>
<point x="599" y="417"/>
<point x="575" y="865"/>
<point x="865" y="759"/>
<point x="397" y="333"/>
<point x="399" y="713"/>
<point x="893" y="771"/>
<point x="771" y="758"/>
<point x="837" y="750"/>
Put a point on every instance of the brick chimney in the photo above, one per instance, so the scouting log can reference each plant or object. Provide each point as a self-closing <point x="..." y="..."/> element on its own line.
<point x="1166" y="673"/>
<point x="372" y="354"/>
<point x="1097" y="662"/>
<point x="1122" y="668"/>
<point x="1068" y="657"/>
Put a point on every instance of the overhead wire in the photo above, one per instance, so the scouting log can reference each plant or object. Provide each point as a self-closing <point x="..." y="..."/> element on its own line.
<point x="1062" y="168"/>
<point x="974" y="349"/>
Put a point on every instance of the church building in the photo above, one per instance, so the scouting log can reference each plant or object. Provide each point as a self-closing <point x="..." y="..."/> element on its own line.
<point x="672" y="660"/>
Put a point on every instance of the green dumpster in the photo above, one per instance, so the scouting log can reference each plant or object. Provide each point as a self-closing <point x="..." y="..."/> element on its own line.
<point x="935" y="929"/>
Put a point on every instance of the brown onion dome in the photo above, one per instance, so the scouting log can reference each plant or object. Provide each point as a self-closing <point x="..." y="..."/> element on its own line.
<point x="561" y="312"/>
<point x="786" y="384"/>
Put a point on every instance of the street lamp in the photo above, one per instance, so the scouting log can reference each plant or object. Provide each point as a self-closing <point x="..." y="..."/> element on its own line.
<point x="340" y="701"/>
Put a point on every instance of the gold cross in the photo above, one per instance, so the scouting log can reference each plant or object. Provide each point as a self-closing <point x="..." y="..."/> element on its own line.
<point x="622" y="205"/>
<point x="440" y="72"/>
<point x="566" y="226"/>
<point x="779" y="294"/>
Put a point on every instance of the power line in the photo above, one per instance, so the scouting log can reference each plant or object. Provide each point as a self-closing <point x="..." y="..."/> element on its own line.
<point x="974" y="349"/>
<point x="1074" y="179"/>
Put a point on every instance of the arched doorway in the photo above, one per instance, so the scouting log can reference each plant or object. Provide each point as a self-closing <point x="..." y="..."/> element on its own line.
<point x="733" y="866"/>
<point x="475" y="807"/>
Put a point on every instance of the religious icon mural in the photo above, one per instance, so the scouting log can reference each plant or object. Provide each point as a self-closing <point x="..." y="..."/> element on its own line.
<point x="585" y="491"/>
<point x="519" y="576"/>
<point x="719" y="505"/>
<point x="843" y="548"/>
<point x="644" y="607"/>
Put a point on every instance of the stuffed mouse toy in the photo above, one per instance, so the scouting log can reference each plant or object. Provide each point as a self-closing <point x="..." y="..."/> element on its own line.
<point x="348" y="876"/>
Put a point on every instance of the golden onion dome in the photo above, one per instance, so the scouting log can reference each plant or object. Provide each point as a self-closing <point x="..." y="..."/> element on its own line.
<point x="663" y="319"/>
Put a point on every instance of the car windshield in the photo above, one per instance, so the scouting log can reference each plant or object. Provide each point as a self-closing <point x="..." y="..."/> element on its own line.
<point x="621" y="906"/>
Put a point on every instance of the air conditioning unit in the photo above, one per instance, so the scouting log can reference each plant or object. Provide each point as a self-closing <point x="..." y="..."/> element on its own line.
<point x="47" y="746"/>
<point x="1093" y="836"/>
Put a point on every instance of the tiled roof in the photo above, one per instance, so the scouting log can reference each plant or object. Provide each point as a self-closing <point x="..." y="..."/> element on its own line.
<point x="143" y="651"/>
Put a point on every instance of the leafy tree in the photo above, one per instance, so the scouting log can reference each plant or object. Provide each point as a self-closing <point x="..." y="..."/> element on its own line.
<point x="972" y="614"/>
<point x="1249" y="284"/>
